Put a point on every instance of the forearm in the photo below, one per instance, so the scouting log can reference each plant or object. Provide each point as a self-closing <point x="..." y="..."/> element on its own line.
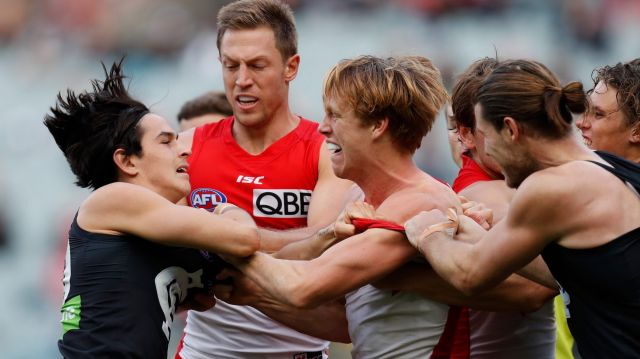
<point x="514" y="294"/>
<point x="538" y="272"/>
<point x="283" y="280"/>
<point x="328" y="321"/>
<point x="309" y="248"/>
<point x="450" y="259"/>
<point x="273" y="240"/>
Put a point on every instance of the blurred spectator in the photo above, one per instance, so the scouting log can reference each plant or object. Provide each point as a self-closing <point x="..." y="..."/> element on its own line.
<point x="207" y="108"/>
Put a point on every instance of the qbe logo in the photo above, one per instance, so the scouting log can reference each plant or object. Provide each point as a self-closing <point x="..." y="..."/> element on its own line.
<point x="281" y="203"/>
<point x="207" y="198"/>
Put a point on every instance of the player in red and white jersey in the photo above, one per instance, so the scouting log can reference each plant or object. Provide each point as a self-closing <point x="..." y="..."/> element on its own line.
<point x="270" y="162"/>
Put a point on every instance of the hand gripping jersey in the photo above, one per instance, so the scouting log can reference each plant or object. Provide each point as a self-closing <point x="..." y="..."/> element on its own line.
<point x="275" y="188"/>
<point x="601" y="285"/>
<point x="506" y="335"/>
<point x="121" y="294"/>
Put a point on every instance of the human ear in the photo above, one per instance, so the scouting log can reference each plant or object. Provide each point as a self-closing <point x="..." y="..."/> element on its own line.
<point x="124" y="162"/>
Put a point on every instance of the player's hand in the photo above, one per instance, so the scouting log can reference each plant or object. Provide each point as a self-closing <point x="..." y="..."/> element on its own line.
<point x="427" y="222"/>
<point x="243" y="291"/>
<point x="469" y="230"/>
<point x="343" y="226"/>
<point x="477" y="211"/>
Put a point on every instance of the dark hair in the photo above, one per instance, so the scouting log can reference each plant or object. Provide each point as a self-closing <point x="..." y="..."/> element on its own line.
<point x="209" y="103"/>
<point x="531" y="94"/>
<point x="407" y="90"/>
<point x="251" y="14"/>
<point x="625" y="79"/>
<point x="464" y="92"/>
<point x="89" y="127"/>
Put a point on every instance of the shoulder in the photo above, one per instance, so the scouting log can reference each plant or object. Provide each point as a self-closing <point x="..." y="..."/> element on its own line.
<point x="552" y="198"/>
<point x="119" y="196"/>
<point x="483" y="191"/>
<point x="427" y="195"/>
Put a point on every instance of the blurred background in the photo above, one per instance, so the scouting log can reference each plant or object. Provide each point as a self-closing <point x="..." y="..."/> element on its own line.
<point x="47" y="46"/>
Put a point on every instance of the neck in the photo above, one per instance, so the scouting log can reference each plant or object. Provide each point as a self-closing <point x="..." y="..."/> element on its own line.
<point x="632" y="154"/>
<point x="387" y="175"/>
<point x="256" y="138"/>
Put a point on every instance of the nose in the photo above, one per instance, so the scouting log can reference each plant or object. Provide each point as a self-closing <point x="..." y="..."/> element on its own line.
<point x="583" y="122"/>
<point x="324" y="127"/>
<point x="184" y="150"/>
<point x="243" y="78"/>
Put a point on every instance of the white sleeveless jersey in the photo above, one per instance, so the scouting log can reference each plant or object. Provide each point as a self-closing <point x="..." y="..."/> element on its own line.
<point x="387" y="325"/>
<point x="507" y="335"/>
<point x="231" y="332"/>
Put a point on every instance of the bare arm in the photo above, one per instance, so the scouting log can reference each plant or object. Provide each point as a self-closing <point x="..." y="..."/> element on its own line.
<point x="126" y="208"/>
<point x="513" y="294"/>
<point x="348" y="265"/>
<point x="327" y="321"/>
<point x="534" y="220"/>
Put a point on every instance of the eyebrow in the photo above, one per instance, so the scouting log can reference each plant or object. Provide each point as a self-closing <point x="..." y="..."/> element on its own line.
<point x="252" y="59"/>
<point x="167" y="134"/>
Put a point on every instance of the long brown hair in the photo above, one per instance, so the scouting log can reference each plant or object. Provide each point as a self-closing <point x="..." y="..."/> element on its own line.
<point x="531" y="94"/>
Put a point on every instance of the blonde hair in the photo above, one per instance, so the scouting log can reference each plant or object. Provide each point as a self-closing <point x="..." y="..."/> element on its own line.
<point x="407" y="90"/>
<point x="252" y="14"/>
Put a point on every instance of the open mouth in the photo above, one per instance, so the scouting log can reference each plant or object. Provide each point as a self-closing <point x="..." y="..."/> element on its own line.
<point x="246" y="100"/>
<point x="587" y="141"/>
<point x="333" y="148"/>
<point x="182" y="169"/>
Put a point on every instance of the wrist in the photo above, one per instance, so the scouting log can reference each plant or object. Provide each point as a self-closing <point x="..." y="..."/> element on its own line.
<point x="445" y="230"/>
<point x="224" y="207"/>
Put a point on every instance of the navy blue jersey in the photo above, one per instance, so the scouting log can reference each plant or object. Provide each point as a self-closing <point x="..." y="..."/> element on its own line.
<point x="602" y="285"/>
<point x="121" y="293"/>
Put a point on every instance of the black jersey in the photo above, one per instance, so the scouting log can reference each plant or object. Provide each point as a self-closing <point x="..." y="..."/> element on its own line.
<point x="121" y="293"/>
<point x="601" y="285"/>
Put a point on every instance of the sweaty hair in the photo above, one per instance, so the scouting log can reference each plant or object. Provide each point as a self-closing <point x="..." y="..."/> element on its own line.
<point x="251" y="14"/>
<point x="463" y="96"/>
<point x="625" y="79"/>
<point x="89" y="127"/>
<point x="531" y="94"/>
<point x="406" y="90"/>
<point x="208" y="103"/>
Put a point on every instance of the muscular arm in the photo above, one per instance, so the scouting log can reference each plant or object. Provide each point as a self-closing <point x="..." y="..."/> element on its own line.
<point x="513" y="294"/>
<point x="534" y="220"/>
<point x="327" y="321"/>
<point x="126" y="208"/>
<point x="347" y="265"/>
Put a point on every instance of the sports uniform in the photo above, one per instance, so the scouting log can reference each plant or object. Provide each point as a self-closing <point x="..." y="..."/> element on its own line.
<point x="601" y="285"/>
<point x="121" y="294"/>
<point x="275" y="188"/>
<point x="390" y="324"/>
<point x="495" y="335"/>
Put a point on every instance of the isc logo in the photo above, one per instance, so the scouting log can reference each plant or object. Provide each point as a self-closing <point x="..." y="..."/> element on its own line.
<point x="281" y="203"/>
<point x="247" y="179"/>
<point x="207" y="198"/>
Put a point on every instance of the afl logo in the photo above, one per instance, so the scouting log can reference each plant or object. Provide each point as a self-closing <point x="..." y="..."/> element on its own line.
<point x="207" y="198"/>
